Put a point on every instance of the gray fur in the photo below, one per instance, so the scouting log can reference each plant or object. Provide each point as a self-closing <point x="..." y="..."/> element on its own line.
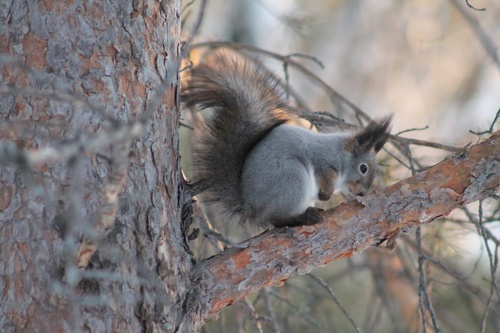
<point x="260" y="169"/>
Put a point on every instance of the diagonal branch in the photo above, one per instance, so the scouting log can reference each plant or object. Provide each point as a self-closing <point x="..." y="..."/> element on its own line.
<point x="273" y="256"/>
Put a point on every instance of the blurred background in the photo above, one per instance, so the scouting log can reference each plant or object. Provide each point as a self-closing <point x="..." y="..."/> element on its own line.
<point x="434" y="64"/>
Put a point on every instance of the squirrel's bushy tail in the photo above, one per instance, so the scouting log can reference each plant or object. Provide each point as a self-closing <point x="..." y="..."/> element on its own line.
<point x="248" y="104"/>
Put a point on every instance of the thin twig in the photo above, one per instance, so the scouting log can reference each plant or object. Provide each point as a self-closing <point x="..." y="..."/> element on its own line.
<point x="186" y="47"/>
<point x="424" y="300"/>
<point x="472" y="7"/>
<point x="422" y="287"/>
<point x="307" y="56"/>
<point x="497" y="116"/>
<point x="373" y="318"/>
<point x="450" y="270"/>
<point x="424" y="143"/>
<point x="407" y="150"/>
<point x="187" y="6"/>
<point x="493" y="261"/>
<point x="388" y="152"/>
<point x="322" y="283"/>
<point x="381" y="291"/>
<point x="296" y="309"/>
<point x="408" y="141"/>
<point x="301" y="104"/>
<point x="214" y="237"/>
<point x="412" y="130"/>
<point x="486" y="41"/>
<point x="252" y="314"/>
<point x="481" y="229"/>
<point x="285" y="67"/>
<point x="265" y="294"/>
<point x="334" y="95"/>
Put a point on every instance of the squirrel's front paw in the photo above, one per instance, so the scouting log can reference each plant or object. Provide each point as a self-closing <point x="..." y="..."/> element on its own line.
<point x="312" y="215"/>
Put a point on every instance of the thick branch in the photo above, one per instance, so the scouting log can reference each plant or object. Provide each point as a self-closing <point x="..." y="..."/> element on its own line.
<point x="273" y="256"/>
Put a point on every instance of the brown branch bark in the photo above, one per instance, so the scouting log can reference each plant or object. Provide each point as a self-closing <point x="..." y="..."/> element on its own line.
<point x="273" y="256"/>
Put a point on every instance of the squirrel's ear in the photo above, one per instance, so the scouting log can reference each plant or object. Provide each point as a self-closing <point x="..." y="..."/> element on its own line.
<point x="374" y="136"/>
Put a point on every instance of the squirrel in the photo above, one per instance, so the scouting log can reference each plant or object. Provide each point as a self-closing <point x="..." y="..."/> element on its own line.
<point x="256" y="167"/>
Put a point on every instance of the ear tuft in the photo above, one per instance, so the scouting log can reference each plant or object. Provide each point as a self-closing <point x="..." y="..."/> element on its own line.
<point x="375" y="135"/>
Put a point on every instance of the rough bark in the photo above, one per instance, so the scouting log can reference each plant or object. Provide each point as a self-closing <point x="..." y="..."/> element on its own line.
<point x="90" y="234"/>
<point x="272" y="257"/>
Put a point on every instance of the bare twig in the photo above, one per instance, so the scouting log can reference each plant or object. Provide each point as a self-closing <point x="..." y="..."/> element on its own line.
<point x="373" y="317"/>
<point x="424" y="299"/>
<point x="425" y="144"/>
<point x="214" y="236"/>
<point x="322" y="283"/>
<point x="394" y="137"/>
<point x="187" y="6"/>
<point x="297" y="310"/>
<point x="334" y="95"/>
<point x="381" y="292"/>
<point x="481" y="229"/>
<point x="307" y="56"/>
<point x="186" y="47"/>
<point x="270" y="310"/>
<point x="412" y="130"/>
<point x="252" y="314"/>
<point x="422" y="286"/>
<point x="472" y="7"/>
<point x="493" y="261"/>
<point x="490" y="130"/>
<point x="486" y="41"/>
<point x="450" y="270"/>
<point x="388" y="152"/>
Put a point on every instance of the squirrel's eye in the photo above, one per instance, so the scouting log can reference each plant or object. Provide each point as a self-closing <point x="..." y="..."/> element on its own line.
<point x="363" y="168"/>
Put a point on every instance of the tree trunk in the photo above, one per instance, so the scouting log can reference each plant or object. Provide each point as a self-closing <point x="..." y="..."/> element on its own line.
<point x="87" y="242"/>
